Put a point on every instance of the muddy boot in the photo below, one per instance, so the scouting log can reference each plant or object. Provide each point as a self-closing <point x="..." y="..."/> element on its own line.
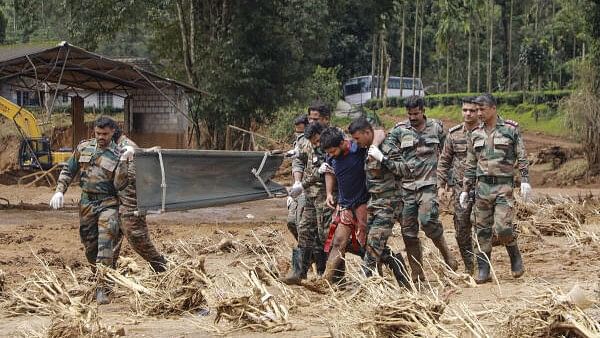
<point x="414" y="254"/>
<point x="159" y="265"/>
<point x="483" y="264"/>
<point x="442" y="246"/>
<point x="300" y="264"/>
<point x="320" y="258"/>
<point x="516" y="262"/>
<point x="467" y="256"/>
<point x="395" y="262"/>
<point x="102" y="295"/>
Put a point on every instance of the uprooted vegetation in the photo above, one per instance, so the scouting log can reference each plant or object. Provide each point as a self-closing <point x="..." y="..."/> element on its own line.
<point x="242" y="293"/>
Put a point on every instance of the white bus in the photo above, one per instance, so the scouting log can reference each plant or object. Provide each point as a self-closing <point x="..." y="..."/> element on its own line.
<point x="357" y="90"/>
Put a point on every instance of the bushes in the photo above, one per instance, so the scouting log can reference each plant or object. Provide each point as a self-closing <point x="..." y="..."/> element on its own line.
<point x="550" y="97"/>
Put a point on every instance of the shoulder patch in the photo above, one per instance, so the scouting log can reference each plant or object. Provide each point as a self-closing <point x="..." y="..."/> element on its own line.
<point x="402" y="124"/>
<point x="512" y="123"/>
<point x="84" y="143"/>
<point x="455" y="128"/>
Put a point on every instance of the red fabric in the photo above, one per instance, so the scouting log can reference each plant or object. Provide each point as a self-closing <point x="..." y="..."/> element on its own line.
<point x="356" y="219"/>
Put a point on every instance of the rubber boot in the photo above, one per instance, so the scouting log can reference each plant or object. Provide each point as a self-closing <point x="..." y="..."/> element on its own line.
<point x="442" y="246"/>
<point x="467" y="257"/>
<point x="414" y="254"/>
<point x="395" y="262"/>
<point x="102" y="295"/>
<point x="300" y="264"/>
<point x="483" y="264"/>
<point x="320" y="258"/>
<point x="159" y="265"/>
<point x="516" y="262"/>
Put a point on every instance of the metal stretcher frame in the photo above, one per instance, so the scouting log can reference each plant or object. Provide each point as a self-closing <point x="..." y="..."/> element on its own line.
<point x="175" y="179"/>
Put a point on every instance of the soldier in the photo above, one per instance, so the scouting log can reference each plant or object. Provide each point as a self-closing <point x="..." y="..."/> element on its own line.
<point x="133" y="226"/>
<point x="309" y="178"/>
<point x="295" y="206"/>
<point x="97" y="160"/>
<point x="493" y="149"/>
<point x="414" y="147"/>
<point x="452" y="160"/>
<point x="381" y="185"/>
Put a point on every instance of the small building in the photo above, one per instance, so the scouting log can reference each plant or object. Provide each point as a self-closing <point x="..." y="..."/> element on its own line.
<point x="155" y="108"/>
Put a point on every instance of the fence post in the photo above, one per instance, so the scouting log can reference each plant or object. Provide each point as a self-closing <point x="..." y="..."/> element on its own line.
<point x="228" y="138"/>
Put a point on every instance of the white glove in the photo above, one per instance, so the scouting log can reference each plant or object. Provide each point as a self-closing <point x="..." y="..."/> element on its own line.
<point x="375" y="153"/>
<point x="127" y="154"/>
<point x="526" y="191"/>
<point x="290" y="200"/>
<point x="325" y="168"/>
<point x="296" y="189"/>
<point x="463" y="198"/>
<point x="57" y="200"/>
<point x="292" y="153"/>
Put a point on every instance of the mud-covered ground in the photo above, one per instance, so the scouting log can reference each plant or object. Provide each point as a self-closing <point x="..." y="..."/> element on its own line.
<point x="53" y="237"/>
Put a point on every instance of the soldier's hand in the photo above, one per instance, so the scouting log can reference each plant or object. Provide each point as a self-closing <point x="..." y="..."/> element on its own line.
<point x="127" y="154"/>
<point x="296" y="189"/>
<point x="289" y="202"/>
<point x="292" y="153"/>
<point x="325" y="168"/>
<point x="57" y="200"/>
<point x="526" y="192"/>
<point x="463" y="199"/>
<point x="375" y="153"/>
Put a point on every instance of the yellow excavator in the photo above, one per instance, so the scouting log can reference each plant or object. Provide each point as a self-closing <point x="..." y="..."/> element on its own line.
<point x="35" y="150"/>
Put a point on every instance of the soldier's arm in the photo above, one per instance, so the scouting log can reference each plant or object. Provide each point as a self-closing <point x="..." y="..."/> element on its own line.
<point x="445" y="163"/>
<point x="470" y="167"/>
<point x="392" y="156"/>
<point x="311" y="178"/>
<point x="521" y="157"/>
<point x="121" y="177"/>
<point x="68" y="172"/>
<point x="299" y="164"/>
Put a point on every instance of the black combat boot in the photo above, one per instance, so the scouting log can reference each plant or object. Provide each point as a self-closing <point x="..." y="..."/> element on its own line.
<point x="442" y="246"/>
<point x="516" y="262"/>
<point x="320" y="258"/>
<point x="395" y="262"/>
<point x="467" y="256"/>
<point x="159" y="265"/>
<point x="484" y="275"/>
<point x="300" y="264"/>
<point x="414" y="254"/>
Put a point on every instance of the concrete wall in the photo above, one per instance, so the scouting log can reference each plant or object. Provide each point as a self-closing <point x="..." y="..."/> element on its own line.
<point x="152" y="120"/>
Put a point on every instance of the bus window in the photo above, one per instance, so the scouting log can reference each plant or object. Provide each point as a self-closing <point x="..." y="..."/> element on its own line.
<point x="394" y="83"/>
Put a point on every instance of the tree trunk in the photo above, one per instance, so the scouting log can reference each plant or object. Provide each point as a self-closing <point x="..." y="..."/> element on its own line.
<point x="478" y="62"/>
<point x="421" y="42"/>
<point x="448" y="71"/>
<point x="373" y="64"/>
<point x="402" y="46"/>
<point x="491" y="49"/>
<point x="381" y="63"/>
<point x="414" y="67"/>
<point x="469" y="63"/>
<point x="509" y="70"/>
<point x="185" y="41"/>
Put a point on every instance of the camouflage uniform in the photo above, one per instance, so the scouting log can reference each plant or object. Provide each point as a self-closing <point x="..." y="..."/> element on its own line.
<point x="296" y="207"/>
<point x="98" y="207"/>
<point x="419" y="151"/>
<point x="450" y="172"/>
<point x="134" y="227"/>
<point x="313" y="227"/>
<point x="490" y="170"/>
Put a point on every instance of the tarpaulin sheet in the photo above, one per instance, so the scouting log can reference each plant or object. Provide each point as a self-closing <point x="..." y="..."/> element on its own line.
<point x="203" y="178"/>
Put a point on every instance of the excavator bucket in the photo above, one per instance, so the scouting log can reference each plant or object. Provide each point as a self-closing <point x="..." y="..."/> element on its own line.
<point x="173" y="179"/>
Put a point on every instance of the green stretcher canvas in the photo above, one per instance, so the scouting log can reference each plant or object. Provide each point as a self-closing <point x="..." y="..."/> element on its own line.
<point x="203" y="178"/>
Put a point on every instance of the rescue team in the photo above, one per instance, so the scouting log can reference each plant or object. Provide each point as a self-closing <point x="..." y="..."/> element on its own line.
<point x="348" y="192"/>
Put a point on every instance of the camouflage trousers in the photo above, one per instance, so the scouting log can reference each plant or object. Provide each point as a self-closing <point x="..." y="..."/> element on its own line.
<point x="463" y="225"/>
<point x="313" y="227"/>
<point x="382" y="213"/>
<point x="99" y="229"/>
<point x="421" y="207"/>
<point x="135" y="230"/>
<point x="494" y="205"/>
<point x="398" y="205"/>
<point x="295" y="210"/>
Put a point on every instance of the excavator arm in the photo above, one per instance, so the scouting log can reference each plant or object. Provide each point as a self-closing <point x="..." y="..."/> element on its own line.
<point x="23" y="118"/>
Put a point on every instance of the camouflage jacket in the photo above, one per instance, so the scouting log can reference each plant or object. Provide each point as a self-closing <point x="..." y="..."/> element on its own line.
<point x="451" y="165"/>
<point x="415" y="153"/>
<point x="97" y="167"/>
<point x="308" y="162"/>
<point x="381" y="181"/>
<point x="125" y="179"/>
<point x="495" y="154"/>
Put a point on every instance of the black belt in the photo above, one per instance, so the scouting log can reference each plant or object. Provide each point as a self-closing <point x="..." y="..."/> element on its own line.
<point x="495" y="179"/>
<point x="96" y="196"/>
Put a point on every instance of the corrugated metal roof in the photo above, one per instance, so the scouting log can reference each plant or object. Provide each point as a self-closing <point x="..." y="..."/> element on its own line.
<point x="73" y="66"/>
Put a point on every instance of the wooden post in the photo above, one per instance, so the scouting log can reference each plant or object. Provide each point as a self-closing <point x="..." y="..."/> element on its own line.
<point x="77" y="122"/>
<point x="228" y="138"/>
